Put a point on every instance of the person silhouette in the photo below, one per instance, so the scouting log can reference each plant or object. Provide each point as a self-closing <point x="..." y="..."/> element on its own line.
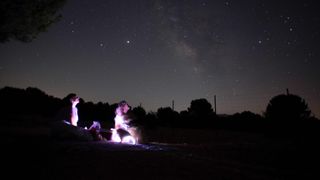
<point x="74" y="118"/>
<point x="66" y="125"/>
<point x="69" y="114"/>
<point x="122" y="129"/>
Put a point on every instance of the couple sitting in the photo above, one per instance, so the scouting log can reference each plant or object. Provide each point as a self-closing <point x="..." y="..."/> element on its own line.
<point x="122" y="131"/>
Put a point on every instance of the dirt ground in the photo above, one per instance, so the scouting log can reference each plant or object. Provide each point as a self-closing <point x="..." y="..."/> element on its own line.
<point x="216" y="155"/>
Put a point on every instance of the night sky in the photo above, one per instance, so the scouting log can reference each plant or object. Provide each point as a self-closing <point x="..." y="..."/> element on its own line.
<point x="155" y="51"/>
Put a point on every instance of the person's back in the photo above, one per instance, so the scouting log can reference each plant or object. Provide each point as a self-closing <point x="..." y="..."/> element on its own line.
<point x="66" y="126"/>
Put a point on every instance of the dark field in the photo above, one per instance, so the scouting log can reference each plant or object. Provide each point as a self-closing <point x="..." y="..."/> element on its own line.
<point x="169" y="154"/>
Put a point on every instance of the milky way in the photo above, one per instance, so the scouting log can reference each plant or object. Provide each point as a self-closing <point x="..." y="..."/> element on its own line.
<point x="153" y="52"/>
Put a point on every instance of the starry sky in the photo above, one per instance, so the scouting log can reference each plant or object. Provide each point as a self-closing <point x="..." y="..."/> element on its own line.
<point x="151" y="52"/>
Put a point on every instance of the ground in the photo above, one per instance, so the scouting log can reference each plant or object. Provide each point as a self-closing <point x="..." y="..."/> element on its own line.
<point x="211" y="154"/>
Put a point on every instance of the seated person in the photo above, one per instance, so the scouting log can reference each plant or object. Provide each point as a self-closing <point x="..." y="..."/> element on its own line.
<point x="74" y="111"/>
<point x="69" y="114"/>
<point x="66" y="125"/>
<point x="122" y="130"/>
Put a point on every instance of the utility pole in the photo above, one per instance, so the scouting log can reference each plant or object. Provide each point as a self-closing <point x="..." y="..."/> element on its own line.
<point x="172" y="105"/>
<point x="215" y="104"/>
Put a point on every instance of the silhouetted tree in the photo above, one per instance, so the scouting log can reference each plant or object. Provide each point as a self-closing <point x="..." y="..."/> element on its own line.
<point x="200" y="107"/>
<point x="287" y="108"/>
<point x="27" y="106"/>
<point x="139" y="116"/>
<point x="23" y="20"/>
<point x="38" y="102"/>
<point x="247" y="116"/>
<point x="151" y="120"/>
<point x="246" y="120"/>
<point x="167" y="116"/>
<point x="185" y="119"/>
<point x="200" y="113"/>
<point x="32" y="103"/>
<point x="87" y="111"/>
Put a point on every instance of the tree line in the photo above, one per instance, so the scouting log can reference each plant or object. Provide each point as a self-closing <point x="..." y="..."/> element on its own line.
<point x="32" y="104"/>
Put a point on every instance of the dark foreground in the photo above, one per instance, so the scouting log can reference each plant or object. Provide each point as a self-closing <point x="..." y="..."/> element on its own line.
<point x="225" y="155"/>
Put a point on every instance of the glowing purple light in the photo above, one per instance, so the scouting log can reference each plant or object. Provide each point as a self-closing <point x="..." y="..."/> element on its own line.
<point x="128" y="140"/>
<point x="115" y="136"/>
